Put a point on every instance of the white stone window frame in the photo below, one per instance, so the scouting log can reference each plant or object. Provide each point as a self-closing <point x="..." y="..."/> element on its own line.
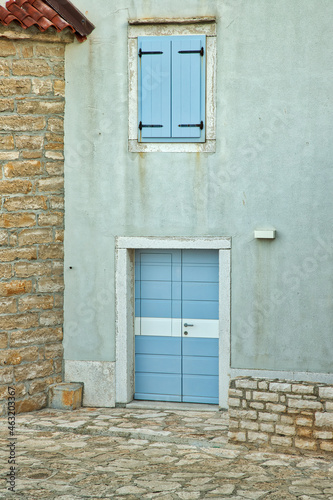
<point x="172" y="27"/>
<point x="125" y="307"/>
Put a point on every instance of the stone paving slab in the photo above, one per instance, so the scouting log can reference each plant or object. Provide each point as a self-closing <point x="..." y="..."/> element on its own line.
<point x="138" y="454"/>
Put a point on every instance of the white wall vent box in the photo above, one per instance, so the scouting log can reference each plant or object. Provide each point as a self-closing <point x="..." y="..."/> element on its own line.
<point x="268" y="234"/>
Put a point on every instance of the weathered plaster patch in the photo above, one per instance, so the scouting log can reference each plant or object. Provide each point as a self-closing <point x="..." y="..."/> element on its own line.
<point x="98" y="378"/>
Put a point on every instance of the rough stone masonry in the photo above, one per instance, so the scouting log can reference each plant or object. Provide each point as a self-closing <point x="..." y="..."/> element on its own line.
<point x="285" y="415"/>
<point x="32" y="102"/>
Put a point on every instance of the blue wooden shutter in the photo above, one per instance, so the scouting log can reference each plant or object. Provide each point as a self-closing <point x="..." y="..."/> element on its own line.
<point x="188" y="86"/>
<point x="154" y="87"/>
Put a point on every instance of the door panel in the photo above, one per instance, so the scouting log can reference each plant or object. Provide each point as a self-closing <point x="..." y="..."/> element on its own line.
<point x="157" y="293"/>
<point x="158" y="345"/>
<point x="200" y="370"/>
<point x="159" y="387"/>
<point x="200" y="389"/>
<point x="175" y="362"/>
<point x="200" y="309"/>
<point x="200" y="291"/>
<point x="202" y="273"/>
<point x="161" y="327"/>
<point x="149" y="363"/>
<point x="155" y="267"/>
<point x="158" y="308"/>
<point x="158" y="368"/>
<point x="192" y="365"/>
<point x="157" y="290"/>
<point x="200" y="347"/>
<point x="202" y="328"/>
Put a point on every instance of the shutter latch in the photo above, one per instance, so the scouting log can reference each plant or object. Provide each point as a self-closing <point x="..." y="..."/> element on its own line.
<point x="200" y="125"/>
<point x="146" y="53"/>
<point x="201" y="51"/>
<point x="141" y="126"/>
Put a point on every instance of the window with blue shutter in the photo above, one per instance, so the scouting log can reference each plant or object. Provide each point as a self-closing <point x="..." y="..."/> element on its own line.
<point x="171" y="84"/>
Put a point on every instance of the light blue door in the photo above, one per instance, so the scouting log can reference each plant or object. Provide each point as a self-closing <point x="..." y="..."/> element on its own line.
<point x="176" y="325"/>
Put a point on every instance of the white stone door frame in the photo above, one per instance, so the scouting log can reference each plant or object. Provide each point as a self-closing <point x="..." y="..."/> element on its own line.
<point x="124" y="289"/>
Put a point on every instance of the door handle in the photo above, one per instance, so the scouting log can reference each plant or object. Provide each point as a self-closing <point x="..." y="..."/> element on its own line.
<point x="186" y="325"/>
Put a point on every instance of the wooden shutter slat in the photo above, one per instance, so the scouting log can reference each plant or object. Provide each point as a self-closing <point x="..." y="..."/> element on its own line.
<point x="154" y="87"/>
<point x="188" y="86"/>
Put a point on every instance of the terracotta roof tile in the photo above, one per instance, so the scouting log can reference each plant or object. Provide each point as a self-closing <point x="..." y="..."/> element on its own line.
<point x="45" y="9"/>
<point x="18" y="2"/>
<point x="31" y="11"/>
<point x="36" y="12"/>
<point x="5" y="16"/>
<point x="59" y="22"/>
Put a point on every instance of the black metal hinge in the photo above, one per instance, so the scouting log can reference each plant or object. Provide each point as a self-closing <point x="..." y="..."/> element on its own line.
<point x="141" y="126"/>
<point x="200" y="125"/>
<point x="146" y="53"/>
<point x="201" y="51"/>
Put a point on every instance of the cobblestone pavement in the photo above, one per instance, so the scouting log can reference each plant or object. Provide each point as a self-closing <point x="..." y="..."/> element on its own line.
<point x="163" y="454"/>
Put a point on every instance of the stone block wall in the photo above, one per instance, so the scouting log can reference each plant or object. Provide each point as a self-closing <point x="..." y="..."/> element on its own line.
<point x="287" y="416"/>
<point x="32" y="101"/>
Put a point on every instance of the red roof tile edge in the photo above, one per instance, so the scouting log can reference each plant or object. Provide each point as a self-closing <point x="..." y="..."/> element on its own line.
<point x="73" y="16"/>
<point x="18" y="11"/>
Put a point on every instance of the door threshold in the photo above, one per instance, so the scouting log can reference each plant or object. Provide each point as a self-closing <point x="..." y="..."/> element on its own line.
<point x="166" y="405"/>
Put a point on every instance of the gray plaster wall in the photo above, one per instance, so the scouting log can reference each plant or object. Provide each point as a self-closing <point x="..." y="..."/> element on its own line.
<point x="272" y="169"/>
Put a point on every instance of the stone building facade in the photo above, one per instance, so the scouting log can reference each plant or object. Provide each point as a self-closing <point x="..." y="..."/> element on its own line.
<point x="32" y="102"/>
<point x="260" y="196"/>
